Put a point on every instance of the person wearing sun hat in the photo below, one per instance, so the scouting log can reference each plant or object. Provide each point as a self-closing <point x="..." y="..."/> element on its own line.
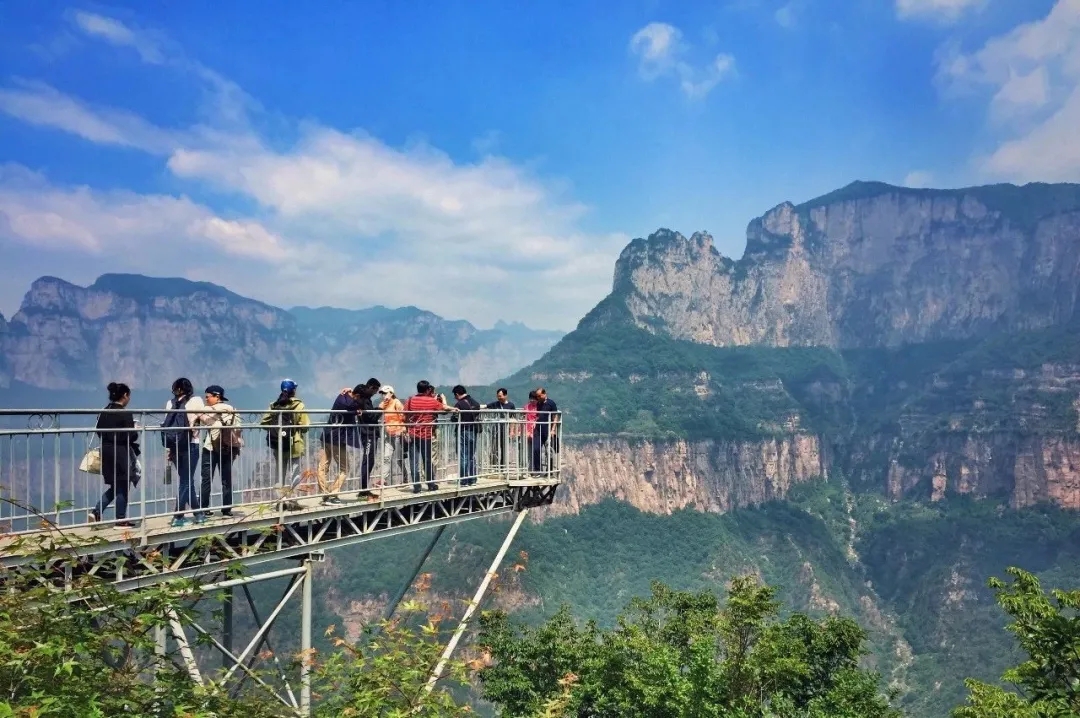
<point x="394" y="436"/>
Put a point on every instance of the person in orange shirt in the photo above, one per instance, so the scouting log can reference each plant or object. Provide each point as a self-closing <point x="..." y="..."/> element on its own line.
<point x="393" y="449"/>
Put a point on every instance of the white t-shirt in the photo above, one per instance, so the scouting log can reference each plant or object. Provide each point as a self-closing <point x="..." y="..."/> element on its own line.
<point x="216" y="416"/>
<point x="195" y="403"/>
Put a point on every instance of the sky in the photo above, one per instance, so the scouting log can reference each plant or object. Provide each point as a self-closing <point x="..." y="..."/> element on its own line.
<point x="489" y="160"/>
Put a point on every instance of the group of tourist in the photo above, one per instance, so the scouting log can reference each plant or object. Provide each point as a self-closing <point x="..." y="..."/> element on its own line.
<point x="205" y="434"/>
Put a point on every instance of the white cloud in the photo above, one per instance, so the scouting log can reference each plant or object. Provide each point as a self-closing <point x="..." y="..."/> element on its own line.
<point x="919" y="178"/>
<point x="1031" y="76"/>
<point x="115" y="223"/>
<point x="944" y="11"/>
<point x="117" y="33"/>
<point x="785" y="16"/>
<point x="333" y="218"/>
<point x="39" y="104"/>
<point x="659" y="48"/>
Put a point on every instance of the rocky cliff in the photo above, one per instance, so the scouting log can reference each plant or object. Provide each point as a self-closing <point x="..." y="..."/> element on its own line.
<point x="662" y="477"/>
<point x="948" y="354"/>
<point x="869" y="265"/>
<point x="147" y="331"/>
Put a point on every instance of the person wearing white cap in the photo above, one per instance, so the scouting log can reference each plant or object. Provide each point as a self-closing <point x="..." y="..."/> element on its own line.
<point x="393" y="436"/>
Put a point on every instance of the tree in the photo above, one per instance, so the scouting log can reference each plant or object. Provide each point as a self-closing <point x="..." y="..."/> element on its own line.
<point x="1047" y="627"/>
<point x="89" y="651"/>
<point x="681" y="654"/>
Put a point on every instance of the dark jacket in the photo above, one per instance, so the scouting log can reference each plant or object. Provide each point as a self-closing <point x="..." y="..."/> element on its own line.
<point x="369" y="417"/>
<point x="119" y="445"/>
<point x="343" y="429"/>
<point x="468" y="414"/>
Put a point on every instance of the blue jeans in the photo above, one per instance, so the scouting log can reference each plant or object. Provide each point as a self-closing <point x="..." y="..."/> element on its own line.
<point x="467" y="456"/>
<point x="186" y="460"/>
<point x="118" y="491"/>
<point x="420" y="451"/>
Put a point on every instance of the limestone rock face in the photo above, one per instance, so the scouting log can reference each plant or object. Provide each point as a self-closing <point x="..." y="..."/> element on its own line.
<point x="662" y="477"/>
<point x="868" y="266"/>
<point x="146" y="332"/>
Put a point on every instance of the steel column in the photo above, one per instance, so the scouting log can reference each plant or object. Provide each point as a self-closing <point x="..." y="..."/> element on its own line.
<point x="477" y="598"/>
<point x="305" y="643"/>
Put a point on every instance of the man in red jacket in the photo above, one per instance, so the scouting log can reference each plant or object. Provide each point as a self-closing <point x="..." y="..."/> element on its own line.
<point x="421" y="410"/>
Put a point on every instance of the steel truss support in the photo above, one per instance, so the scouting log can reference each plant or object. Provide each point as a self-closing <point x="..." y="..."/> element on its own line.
<point x="477" y="598"/>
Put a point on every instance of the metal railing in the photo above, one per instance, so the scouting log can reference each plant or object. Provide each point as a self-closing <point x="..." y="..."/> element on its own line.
<point x="285" y="461"/>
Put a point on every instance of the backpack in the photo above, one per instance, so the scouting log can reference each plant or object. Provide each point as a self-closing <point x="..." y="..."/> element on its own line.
<point x="283" y="421"/>
<point x="230" y="436"/>
<point x="176" y="429"/>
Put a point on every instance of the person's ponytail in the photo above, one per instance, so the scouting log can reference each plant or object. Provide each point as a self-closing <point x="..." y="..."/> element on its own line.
<point x="117" y="391"/>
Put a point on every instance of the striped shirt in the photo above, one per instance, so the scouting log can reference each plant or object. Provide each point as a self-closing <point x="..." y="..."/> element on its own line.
<point x="422" y="424"/>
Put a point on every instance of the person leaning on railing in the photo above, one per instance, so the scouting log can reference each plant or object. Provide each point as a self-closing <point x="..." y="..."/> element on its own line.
<point x="287" y="422"/>
<point x="119" y="451"/>
<point x="500" y="439"/>
<point x="181" y="443"/>
<point x="337" y="438"/>
<point x="368" y="421"/>
<point x="220" y="447"/>
<point x="420" y="412"/>
<point x="467" y="418"/>
<point x="393" y="436"/>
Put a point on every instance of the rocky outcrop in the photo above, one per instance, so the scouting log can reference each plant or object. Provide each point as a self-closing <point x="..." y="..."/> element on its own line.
<point x="147" y="331"/>
<point x="870" y="265"/>
<point x="662" y="477"/>
<point x="1025" y="470"/>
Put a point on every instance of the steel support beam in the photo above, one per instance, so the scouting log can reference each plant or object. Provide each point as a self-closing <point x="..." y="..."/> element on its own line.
<point x="305" y="642"/>
<point x="477" y="598"/>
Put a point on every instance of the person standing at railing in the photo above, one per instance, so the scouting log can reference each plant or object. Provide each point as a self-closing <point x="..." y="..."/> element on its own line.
<point x="220" y="448"/>
<point x="544" y="446"/>
<point x="530" y="425"/>
<point x="287" y="422"/>
<point x="420" y="412"/>
<point x="337" y="439"/>
<point x="500" y="435"/>
<point x="181" y="443"/>
<point x="467" y="418"/>
<point x="393" y="450"/>
<point x="368" y="420"/>
<point x="119" y="450"/>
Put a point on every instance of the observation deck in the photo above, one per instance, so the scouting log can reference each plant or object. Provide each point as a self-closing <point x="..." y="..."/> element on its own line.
<point x="497" y="465"/>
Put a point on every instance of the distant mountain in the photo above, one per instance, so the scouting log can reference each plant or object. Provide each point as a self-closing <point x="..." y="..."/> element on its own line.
<point x="147" y="331"/>
<point x="407" y="344"/>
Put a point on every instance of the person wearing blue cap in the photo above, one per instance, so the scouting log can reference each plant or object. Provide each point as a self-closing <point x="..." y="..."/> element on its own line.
<point x="287" y="422"/>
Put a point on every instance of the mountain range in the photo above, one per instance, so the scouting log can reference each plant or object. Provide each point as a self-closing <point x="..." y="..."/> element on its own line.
<point x="874" y="408"/>
<point x="147" y="331"/>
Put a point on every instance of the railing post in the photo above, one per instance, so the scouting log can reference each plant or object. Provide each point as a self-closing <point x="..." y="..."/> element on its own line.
<point x="143" y="519"/>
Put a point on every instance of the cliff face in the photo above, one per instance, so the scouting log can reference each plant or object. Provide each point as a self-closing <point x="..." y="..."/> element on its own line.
<point x="949" y="316"/>
<point x="147" y="331"/>
<point x="662" y="477"/>
<point x="870" y="265"/>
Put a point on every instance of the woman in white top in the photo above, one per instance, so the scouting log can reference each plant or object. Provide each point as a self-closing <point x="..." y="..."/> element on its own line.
<point x="221" y="445"/>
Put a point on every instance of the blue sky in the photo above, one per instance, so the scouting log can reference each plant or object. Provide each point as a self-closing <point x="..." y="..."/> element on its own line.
<point x="486" y="161"/>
